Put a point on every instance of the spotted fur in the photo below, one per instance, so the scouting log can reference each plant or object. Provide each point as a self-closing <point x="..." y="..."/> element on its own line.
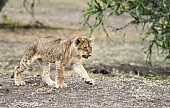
<point x="61" y="52"/>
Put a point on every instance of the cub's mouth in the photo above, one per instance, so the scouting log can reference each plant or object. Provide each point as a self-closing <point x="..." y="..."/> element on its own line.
<point x="86" y="56"/>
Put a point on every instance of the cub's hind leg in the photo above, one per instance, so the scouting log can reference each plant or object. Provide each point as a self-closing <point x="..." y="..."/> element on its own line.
<point x="46" y="74"/>
<point x="27" y="59"/>
<point x="24" y="63"/>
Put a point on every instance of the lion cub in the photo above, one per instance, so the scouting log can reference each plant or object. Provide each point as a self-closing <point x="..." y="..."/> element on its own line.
<point x="58" y="51"/>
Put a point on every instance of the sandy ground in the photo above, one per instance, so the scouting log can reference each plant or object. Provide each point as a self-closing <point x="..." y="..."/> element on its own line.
<point x="115" y="91"/>
<point x="106" y="93"/>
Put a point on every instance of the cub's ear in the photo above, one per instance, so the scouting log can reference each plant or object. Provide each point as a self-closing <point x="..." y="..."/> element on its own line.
<point x="78" y="40"/>
<point x="92" y="38"/>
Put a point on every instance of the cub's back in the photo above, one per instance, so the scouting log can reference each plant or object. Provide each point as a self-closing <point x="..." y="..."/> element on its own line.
<point x="49" y="41"/>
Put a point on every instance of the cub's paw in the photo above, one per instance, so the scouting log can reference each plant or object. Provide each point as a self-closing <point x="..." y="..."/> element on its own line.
<point x="51" y="84"/>
<point x="19" y="83"/>
<point x="60" y="85"/>
<point x="89" y="81"/>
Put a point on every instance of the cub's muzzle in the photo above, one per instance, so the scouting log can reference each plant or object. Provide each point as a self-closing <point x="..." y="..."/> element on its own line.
<point x="86" y="56"/>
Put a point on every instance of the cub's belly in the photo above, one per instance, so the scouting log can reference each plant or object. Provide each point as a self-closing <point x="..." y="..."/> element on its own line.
<point x="53" y="58"/>
<point x="46" y="58"/>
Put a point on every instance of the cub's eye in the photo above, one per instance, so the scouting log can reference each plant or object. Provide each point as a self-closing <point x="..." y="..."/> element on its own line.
<point x="84" y="47"/>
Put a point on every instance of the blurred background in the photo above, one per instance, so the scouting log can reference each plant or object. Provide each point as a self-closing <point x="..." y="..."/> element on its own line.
<point x="123" y="54"/>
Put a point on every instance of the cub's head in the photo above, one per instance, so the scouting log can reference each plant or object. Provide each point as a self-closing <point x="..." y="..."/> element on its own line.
<point x="84" y="46"/>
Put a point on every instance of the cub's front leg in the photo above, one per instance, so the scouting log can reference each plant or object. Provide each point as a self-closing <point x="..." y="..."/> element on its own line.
<point x="79" y="69"/>
<point x="46" y="74"/>
<point x="59" y="78"/>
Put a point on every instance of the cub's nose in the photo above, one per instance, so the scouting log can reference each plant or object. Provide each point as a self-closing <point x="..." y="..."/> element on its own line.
<point x="86" y="56"/>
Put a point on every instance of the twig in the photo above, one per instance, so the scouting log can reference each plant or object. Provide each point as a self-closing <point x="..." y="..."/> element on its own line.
<point x="123" y="27"/>
<point x="31" y="12"/>
<point x="106" y="32"/>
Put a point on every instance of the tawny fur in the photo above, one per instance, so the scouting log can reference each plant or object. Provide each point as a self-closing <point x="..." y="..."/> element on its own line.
<point x="60" y="52"/>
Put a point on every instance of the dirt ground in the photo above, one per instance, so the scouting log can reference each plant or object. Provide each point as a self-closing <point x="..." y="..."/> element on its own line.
<point x="109" y="65"/>
<point x="106" y="93"/>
